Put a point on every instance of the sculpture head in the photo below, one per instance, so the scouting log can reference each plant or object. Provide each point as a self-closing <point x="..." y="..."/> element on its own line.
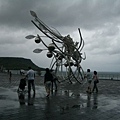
<point x="51" y="47"/>
<point x="37" y="39"/>
<point x="49" y="54"/>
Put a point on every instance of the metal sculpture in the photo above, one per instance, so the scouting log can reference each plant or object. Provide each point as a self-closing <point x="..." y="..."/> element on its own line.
<point x="65" y="53"/>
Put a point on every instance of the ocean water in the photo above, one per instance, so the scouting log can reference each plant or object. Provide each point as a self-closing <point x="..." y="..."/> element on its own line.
<point x="101" y="75"/>
<point x="109" y="75"/>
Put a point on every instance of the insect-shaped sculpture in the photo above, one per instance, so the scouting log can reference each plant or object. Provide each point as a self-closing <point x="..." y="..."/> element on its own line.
<point x="65" y="54"/>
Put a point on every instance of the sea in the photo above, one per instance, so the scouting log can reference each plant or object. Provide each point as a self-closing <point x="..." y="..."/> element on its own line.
<point x="109" y="75"/>
<point x="101" y="75"/>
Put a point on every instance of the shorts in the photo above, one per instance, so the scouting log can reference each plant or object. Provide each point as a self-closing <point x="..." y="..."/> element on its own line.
<point x="89" y="81"/>
<point x="48" y="84"/>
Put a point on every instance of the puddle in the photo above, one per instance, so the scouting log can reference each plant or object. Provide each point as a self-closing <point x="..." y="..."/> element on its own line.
<point x="61" y="101"/>
<point x="108" y="103"/>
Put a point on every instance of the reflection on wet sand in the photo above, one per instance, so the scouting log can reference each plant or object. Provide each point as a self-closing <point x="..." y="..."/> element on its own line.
<point x="95" y="101"/>
<point x="22" y="100"/>
<point x="31" y="99"/>
<point x="94" y="104"/>
<point x="21" y="97"/>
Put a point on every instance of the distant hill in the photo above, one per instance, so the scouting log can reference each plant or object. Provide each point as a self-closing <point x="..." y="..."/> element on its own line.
<point x="17" y="63"/>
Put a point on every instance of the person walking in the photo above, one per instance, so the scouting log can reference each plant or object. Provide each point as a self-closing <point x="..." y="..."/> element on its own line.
<point x="54" y="80"/>
<point x="30" y="77"/>
<point x="47" y="81"/>
<point x="89" y="80"/>
<point x="95" y="78"/>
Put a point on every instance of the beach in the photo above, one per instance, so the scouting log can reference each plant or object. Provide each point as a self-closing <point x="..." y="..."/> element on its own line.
<point x="70" y="102"/>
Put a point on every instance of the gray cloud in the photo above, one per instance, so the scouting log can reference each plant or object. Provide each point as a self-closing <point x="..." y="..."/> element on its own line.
<point x="98" y="20"/>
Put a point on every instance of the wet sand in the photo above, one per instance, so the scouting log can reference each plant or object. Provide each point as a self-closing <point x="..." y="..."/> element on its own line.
<point x="70" y="101"/>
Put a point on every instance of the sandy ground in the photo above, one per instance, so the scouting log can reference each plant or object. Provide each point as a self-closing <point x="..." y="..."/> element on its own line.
<point x="70" y="102"/>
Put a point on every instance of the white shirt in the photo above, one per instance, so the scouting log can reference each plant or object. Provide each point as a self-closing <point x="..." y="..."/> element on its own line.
<point x="89" y="76"/>
<point x="31" y="75"/>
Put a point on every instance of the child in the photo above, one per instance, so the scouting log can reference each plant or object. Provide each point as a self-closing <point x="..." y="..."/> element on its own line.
<point x="22" y="85"/>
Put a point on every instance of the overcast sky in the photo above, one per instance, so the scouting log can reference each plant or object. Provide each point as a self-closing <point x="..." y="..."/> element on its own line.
<point x="99" y="21"/>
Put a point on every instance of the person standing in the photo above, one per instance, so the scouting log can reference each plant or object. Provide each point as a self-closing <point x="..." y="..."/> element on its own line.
<point x="89" y="80"/>
<point x="47" y="81"/>
<point x="95" y="78"/>
<point x="31" y="76"/>
<point x="10" y="76"/>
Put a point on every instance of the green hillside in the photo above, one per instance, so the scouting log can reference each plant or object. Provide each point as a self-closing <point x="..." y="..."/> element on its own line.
<point x="16" y="63"/>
